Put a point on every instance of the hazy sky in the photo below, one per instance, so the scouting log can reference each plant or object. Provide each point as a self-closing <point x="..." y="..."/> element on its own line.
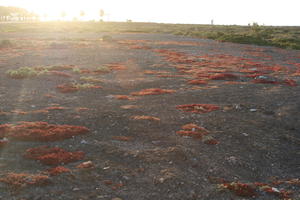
<point x="268" y="12"/>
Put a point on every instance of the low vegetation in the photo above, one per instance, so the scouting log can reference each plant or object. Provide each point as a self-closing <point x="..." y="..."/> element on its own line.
<point x="23" y="72"/>
<point x="279" y="36"/>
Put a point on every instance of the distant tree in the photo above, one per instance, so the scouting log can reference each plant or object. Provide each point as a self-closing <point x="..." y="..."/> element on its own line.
<point x="63" y="15"/>
<point x="15" y="13"/>
<point x="101" y="14"/>
<point x="82" y="14"/>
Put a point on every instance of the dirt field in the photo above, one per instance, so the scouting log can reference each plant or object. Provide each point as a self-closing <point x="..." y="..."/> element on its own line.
<point x="147" y="116"/>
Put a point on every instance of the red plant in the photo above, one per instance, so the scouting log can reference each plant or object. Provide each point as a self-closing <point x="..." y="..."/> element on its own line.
<point x="63" y="74"/>
<point x="22" y="180"/>
<point x="241" y="189"/>
<point x="123" y="97"/>
<point x="81" y="109"/>
<point x="223" y="77"/>
<point x="55" y="108"/>
<point x="117" y="66"/>
<point x="290" y="82"/>
<point x="152" y="91"/>
<point x="194" y="134"/>
<point x="143" y="117"/>
<point x="122" y="138"/>
<point x="53" y="156"/>
<point x="264" y="81"/>
<point x="42" y="131"/>
<point x="67" y="88"/>
<point x="57" y="170"/>
<point x="211" y="141"/>
<point x="198" y="108"/>
<point x="197" y="82"/>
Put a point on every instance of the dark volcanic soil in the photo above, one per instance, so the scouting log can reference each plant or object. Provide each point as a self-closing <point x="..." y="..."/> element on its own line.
<point x="250" y="148"/>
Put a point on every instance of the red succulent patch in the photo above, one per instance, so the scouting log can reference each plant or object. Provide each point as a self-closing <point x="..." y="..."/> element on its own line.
<point x="67" y="88"/>
<point x="211" y="141"/>
<point x="290" y="82"/>
<point x="22" y="180"/>
<point x="57" y="170"/>
<point x="223" y="77"/>
<point x="241" y="189"/>
<point x="152" y="91"/>
<point x="144" y="117"/>
<point x="264" y="81"/>
<point x="123" y="97"/>
<point x="192" y="130"/>
<point x="198" y="108"/>
<point x="122" y="138"/>
<point x="59" y="73"/>
<point x="55" y="108"/>
<point x="53" y="156"/>
<point x="41" y="131"/>
<point x="197" y="82"/>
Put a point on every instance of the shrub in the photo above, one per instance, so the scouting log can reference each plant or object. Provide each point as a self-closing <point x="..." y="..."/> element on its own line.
<point x="107" y="38"/>
<point x="103" y="69"/>
<point x="6" y="44"/>
<point x="23" y="72"/>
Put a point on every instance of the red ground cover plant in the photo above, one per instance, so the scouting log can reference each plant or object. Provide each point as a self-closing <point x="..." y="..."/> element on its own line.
<point x="197" y="82"/>
<point x="139" y="47"/>
<point x="41" y="131"/>
<point x="153" y="72"/>
<point x="240" y="189"/>
<point x="113" y="185"/>
<point x="22" y="180"/>
<point x="192" y="130"/>
<point x="152" y="91"/>
<point x="49" y="95"/>
<point x="59" y="73"/>
<point x="123" y="97"/>
<point x="198" y="108"/>
<point x="290" y="82"/>
<point x="122" y="138"/>
<point x="252" y="189"/>
<point x="264" y="81"/>
<point x="144" y="117"/>
<point x="211" y="141"/>
<point x="57" y="170"/>
<point x="117" y="66"/>
<point x="223" y="77"/>
<point x="55" y="108"/>
<point x="53" y="156"/>
<point x="67" y="88"/>
<point x="81" y="109"/>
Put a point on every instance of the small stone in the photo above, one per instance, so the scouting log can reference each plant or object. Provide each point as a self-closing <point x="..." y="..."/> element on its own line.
<point x="83" y="142"/>
<point x="116" y="198"/>
<point x="253" y="110"/>
<point x="76" y="189"/>
<point x="245" y="134"/>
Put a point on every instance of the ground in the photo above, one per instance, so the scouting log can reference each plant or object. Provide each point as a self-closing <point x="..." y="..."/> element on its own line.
<point x="222" y="120"/>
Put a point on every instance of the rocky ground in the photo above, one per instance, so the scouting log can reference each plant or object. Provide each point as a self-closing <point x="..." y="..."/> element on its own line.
<point x="147" y="116"/>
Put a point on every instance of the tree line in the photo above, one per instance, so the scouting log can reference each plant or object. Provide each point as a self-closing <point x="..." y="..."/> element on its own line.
<point x="10" y="13"/>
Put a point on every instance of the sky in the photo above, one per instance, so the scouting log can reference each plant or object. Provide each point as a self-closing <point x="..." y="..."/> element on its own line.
<point x="240" y="12"/>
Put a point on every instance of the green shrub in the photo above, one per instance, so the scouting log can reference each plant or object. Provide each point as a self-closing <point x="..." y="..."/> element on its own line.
<point x="23" y="72"/>
<point x="103" y="69"/>
<point x="6" y="44"/>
